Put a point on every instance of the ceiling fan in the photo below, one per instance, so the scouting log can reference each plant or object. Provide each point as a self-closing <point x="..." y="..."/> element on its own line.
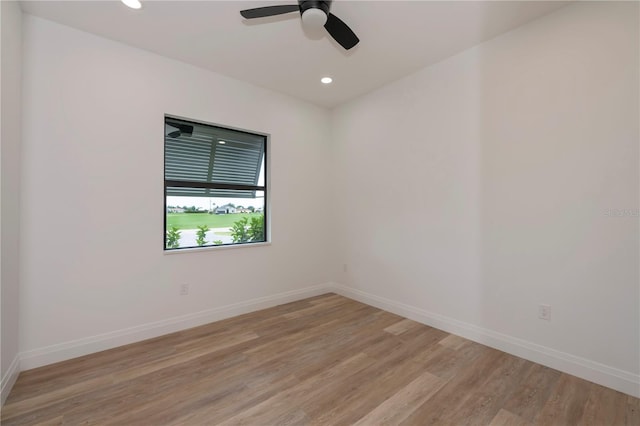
<point x="315" y="14"/>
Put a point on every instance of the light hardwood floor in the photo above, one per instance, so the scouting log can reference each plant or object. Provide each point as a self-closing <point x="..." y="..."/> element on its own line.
<point x="326" y="360"/>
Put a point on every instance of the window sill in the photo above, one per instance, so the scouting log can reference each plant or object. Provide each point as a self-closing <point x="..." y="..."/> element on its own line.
<point x="208" y="248"/>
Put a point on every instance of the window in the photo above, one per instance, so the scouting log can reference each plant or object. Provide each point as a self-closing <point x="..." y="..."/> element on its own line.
<point x="214" y="185"/>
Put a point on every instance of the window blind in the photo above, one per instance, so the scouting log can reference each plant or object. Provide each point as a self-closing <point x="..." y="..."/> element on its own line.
<point x="212" y="162"/>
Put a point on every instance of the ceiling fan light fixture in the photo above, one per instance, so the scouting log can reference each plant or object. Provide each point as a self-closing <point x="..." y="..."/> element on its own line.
<point x="315" y="15"/>
<point x="133" y="4"/>
<point x="314" y="19"/>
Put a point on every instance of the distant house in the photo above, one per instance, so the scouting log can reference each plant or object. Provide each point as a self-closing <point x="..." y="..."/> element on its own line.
<point x="175" y="210"/>
<point x="227" y="208"/>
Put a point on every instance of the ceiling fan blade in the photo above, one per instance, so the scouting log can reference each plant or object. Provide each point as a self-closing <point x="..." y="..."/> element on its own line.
<point x="341" y="32"/>
<point x="175" y="130"/>
<point x="263" y="12"/>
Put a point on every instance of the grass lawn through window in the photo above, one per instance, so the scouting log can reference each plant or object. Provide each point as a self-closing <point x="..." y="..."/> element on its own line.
<point x="193" y="220"/>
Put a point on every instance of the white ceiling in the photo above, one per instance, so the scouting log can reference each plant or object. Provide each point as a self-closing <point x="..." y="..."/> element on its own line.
<point x="397" y="38"/>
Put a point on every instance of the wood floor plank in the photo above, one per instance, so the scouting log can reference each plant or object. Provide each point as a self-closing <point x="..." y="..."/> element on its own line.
<point x="451" y="397"/>
<point x="419" y="330"/>
<point x="343" y="343"/>
<point x="371" y="387"/>
<point x="102" y="404"/>
<point x="362" y="394"/>
<point x="604" y="406"/>
<point x="567" y="402"/>
<point x="326" y="360"/>
<point x="207" y="412"/>
<point x="56" y="421"/>
<point x="166" y="399"/>
<point x="46" y="379"/>
<point x="12" y="409"/>
<point x="402" y="326"/>
<point x="273" y="409"/>
<point x="506" y="418"/>
<point x="401" y="405"/>
<point x="533" y="391"/>
<point x="446" y="363"/>
<point x="632" y="411"/>
<point x="454" y="342"/>
<point x="485" y="400"/>
<point x="317" y="307"/>
<point x="181" y="357"/>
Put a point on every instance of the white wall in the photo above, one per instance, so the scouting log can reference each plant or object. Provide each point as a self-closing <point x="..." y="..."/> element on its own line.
<point x="477" y="188"/>
<point x="92" y="227"/>
<point x="10" y="125"/>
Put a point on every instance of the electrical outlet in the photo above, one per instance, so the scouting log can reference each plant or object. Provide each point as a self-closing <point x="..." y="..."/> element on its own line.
<point x="544" y="312"/>
<point x="184" y="289"/>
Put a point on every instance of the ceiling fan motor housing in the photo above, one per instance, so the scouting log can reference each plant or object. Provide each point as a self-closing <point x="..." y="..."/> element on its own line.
<point x="323" y="5"/>
<point x="314" y="13"/>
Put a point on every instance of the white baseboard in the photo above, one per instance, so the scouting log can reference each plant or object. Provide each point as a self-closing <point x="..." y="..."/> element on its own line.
<point x="9" y="379"/>
<point x="73" y="349"/>
<point x="592" y="371"/>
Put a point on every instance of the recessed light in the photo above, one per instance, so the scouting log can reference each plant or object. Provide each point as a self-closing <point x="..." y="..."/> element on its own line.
<point x="326" y="80"/>
<point x="133" y="4"/>
<point x="221" y="142"/>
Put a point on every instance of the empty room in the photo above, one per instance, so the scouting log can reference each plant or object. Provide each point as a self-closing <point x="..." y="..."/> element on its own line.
<point x="345" y="212"/>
